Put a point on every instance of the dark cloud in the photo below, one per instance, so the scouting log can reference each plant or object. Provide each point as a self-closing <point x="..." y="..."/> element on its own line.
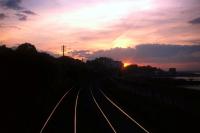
<point x="12" y="4"/>
<point x="3" y="16"/>
<point x="21" y="17"/>
<point x="150" y="53"/>
<point x="167" y="53"/>
<point x="195" y="21"/>
<point x="29" y="12"/>
<point x="22" y="12"/>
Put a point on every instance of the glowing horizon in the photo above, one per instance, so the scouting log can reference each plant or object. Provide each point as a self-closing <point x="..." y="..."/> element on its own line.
<point x="98" y="24"/>
<point x="127" y="64"/>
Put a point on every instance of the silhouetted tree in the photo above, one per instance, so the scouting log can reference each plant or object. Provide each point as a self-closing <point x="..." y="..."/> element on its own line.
<point x="26" y="48"/>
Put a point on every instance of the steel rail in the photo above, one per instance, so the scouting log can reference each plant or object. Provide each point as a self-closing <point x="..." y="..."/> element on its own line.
<point x="75" y="113"/>
<point x="111" y="126"/>
<point x="53" y="111"/>
<point x="122" y="111"/>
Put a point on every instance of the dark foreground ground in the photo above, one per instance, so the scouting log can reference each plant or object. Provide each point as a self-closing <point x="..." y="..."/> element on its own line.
<point x="158" y="104"/>
<point x="31" y="84"/>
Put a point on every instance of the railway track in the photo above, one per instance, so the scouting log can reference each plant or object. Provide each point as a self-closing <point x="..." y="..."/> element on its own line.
<point x="89" y="110"/>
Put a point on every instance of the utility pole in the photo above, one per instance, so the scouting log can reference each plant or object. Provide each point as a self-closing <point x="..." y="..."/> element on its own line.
<point x="63" y="50"/>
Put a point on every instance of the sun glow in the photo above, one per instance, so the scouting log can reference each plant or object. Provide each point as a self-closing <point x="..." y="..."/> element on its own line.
<point x="126" y="64"/>
<point x="122" y="42"/>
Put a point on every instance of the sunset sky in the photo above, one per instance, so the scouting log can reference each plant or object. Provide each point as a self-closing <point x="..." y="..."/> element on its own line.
<point x="86" y="26"/>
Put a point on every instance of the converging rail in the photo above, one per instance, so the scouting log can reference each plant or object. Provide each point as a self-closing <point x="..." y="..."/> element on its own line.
<point x="122" y="111"/>
<point x="107" y="117"/>
<point x="75" y="113"/>
<point x="53" y="111"/>
<point x="111" y="126"/>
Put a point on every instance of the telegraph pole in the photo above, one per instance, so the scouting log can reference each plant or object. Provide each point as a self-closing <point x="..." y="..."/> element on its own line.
<point x="63" y="50"/>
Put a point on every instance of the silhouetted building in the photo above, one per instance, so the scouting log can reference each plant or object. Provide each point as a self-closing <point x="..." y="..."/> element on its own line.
<point x="108" y="63"/>
<point x="172" y="70"/>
